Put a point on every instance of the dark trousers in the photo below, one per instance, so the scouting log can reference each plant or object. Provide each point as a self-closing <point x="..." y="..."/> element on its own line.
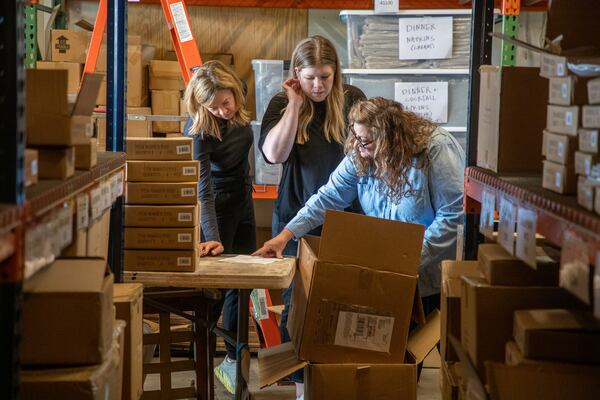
<point x="237" y="229"/>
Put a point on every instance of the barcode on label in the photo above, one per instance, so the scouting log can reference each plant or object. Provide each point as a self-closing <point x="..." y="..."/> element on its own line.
<point x="184" y="237"/>
<point x="188" y="192"/>
<point x="365" y="331"/>
<point x="183" y="149"/>
<point x="569" y="118"/>
<point x="189" y="170"/>
<point x="184" y="261"/>
<point x="34" y="167"/>
<point x="181" y="22"/>
<point x="184" y="217"/>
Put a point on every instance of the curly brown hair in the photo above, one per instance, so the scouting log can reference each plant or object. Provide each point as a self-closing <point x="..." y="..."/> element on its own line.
<point x="400" y="141"/>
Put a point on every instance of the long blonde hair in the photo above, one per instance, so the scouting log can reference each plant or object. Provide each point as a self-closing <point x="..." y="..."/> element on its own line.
<point x="400" y="142"/>
<point x="312" y="51"/>
<point x="201" y="91"/>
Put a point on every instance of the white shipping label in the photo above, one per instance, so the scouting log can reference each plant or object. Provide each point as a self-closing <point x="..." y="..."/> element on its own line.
<point x="184" y="217"/>
<point x="560" y="69"/>
<point x="486" y="222"/>
<point x="181" y="22"/>
<point x="183" y="149"/>
<point x="558" y="180"/>
<point x="506" y="226"/>
<point x="427" y="99"/>
<point x="105" y="194"/>
<point x="386" y="6"/>
<point x="97" y="203"/>
<point x="364" y="331"/>
<point x="184" y="237"/>
<point x="561" y="149"/>
<point x="587" y="166"/>
<point x="83" y="211"/>
<point x="187" y="192"/>
<point x="526" y="229"/>
<point x="184" y="261"/>
<point x="564" y="90"/>
<point x="189" y="170"/>
<point x="258" y="297"/>
<point x="569" y="118"/>
<point x="425" y="38"/>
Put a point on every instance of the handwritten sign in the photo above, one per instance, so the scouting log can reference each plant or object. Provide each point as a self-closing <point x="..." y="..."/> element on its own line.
<point x="425" y="38"/>
<point x="427" y="99"/>
<point x="386" y="6"/>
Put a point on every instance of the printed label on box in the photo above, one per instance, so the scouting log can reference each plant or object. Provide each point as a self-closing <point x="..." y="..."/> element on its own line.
<point x="486" y="221"/>
<point x="364" y="331"/>
<point x="560" y="69"/>
<point x="120" y="179"/>
<point x="564" y="90"/>
<point x="106" y="195"/>
<point x="183" y="149"/>
<point x="181" y="22"/>
<point x="258" y="297"/>
<point x="184" y="217"/>
<point x="188" y="192"/>
<point x="425" y="38"/>
<point x="386" y="6"/>
<point x="569" y="118"/>
<point x="189" y="170"/>
<point x="561" y="149"/>
<point x="557" y="179"/>
<point x="97" y="203"/>
<point x="526" y="229"/>
<point x="506" y="226"/>
<point x="184" y="237"/>
<point x="83" y="211"/>
<point x="184" y="261"/>
<point x="114" y="187"/>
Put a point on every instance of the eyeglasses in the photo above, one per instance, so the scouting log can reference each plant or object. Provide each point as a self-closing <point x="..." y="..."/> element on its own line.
<point x="361" y="143"/>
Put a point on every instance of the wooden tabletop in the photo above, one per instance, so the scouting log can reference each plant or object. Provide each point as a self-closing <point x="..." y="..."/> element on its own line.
<point x="213" y="272"/>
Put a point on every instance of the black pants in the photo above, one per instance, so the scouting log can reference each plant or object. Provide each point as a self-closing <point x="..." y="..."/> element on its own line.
<point x="237" y="229"/>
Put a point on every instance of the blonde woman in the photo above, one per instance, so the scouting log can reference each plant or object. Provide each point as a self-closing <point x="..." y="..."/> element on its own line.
<point x="215" y="99"/>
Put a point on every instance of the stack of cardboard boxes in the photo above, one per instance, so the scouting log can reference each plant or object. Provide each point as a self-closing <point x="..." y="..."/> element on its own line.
<point x="166" y="84"/>
<point x="162" y="211"/>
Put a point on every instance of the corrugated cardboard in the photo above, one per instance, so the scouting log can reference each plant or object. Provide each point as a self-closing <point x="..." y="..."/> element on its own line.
<point x="161" y="238"/>
<point x="180" y="148"/>
<point x="73" y="71"/>
<point x="69" y="302"/>
<point x="161" y="260"/>
<point x="560" y="148"/>
<point x="487" y="315"/>
<point x="569" y="336"/>
<point x="56" y="162"/>
<point x="165" y="102"/>
<point x="586" y="190"/>
<point x="97" y="237"/>
<point x="501" y="268"/>
<point x="588" y="140"/>
<point x="593" y="89"/>
<point x="559" y="178"/>
<point x="548" y="382"/>
<point x="450" y="302"/>
<point x="96" y="382"/>
<point x="450" y="376"/>
<point x="561" y="119"/>
<point x="140" y="128"/>
<point x="31" y="166"/>
<point x="511" y="119"/>
<point x="51" y="118"/>
<point x="584" y="162"/>
<point x="128" y="300"/>
<point x="567" y="91"/>
<point x="162" y="216"/>
<point x="590" y="116"/>
<point x="163" y="171"/>
<point x="86" y="155"/>
<point x="165" y="75"/>
<point x="69" y="45"/>
<point x="161" y="193"/>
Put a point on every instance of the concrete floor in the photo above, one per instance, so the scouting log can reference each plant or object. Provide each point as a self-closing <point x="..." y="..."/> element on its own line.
<point x="428" y="389"/>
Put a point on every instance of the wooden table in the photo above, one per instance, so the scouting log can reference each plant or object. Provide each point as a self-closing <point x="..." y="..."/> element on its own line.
<point x="214" y="272"/>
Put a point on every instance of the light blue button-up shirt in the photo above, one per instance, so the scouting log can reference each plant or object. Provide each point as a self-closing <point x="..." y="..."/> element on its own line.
<point x="437" y="203"/>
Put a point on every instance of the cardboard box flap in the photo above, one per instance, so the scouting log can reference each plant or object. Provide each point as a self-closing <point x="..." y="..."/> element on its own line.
<point x="455" y="269"/>
<point x="88" y="92"/>
<point x="425" y="337"/>
<point x="556" y="319"/>
<point x="69" y="276"/>
<point x="275" y="363"/>
<point x="371" y="242"/>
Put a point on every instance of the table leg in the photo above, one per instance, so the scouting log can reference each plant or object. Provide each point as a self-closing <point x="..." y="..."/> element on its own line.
<point x="202" y="355"/>
<point x="243" y="353"/>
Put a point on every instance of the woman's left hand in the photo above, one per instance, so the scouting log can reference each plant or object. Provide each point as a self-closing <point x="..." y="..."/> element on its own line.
<point x="212" y="248"/>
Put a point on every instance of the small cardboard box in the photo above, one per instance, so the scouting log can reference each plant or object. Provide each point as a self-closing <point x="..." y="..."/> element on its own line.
<point x="165" y="102"/>
<point x="345" y="279"/>
<point x="138" y="128"/>
<point x="548" y="381"/>
<point x="31" y="167"/>
<point x="128" y="300"/>
<point x="69" y="45"/>
<point x="567" y="91"/>
<point x="69" y="302"/>
<point x="590" y="116"/>
<point x="511" y="119"/>
<point x="165" y="75"/>
<point x="97" y="236"/>
<point x="501" y="268"/>
<point x="73" y="71"/>
<point x="162" y="216"/>
<point x="161" y="238"/>
<point x="561" y="335"/>
<point x="52" y="120"/>
<point x="560" y="148"/>
<point x="179" y="148"/>
<point x="559" y="178"/>
<point x="586" y="190"/>
<point x="94" y="382"/>
<point x="487" y="315"/>
<point x="450" y="302"/>
<point x="593" y="89"/>
<point x="161" y="193"/>
<point x="584" y="162"/>
<point x="163" y="171"/>
<point x="56" y="162"/>
<point x="561" y="119"/>
<point x="588" y="140"/>
<point x="161" y="260"/>
<point x="86" y="155"/>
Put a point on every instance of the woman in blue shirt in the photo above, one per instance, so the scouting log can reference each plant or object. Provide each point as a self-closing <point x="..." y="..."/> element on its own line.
<point x="400" y="167"/>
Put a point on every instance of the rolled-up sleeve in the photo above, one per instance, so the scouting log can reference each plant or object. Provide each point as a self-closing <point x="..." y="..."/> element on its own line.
<point x="337" y="194"/>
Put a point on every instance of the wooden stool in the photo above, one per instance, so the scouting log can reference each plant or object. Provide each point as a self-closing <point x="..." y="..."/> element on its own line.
<point x="167" y="301"/>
